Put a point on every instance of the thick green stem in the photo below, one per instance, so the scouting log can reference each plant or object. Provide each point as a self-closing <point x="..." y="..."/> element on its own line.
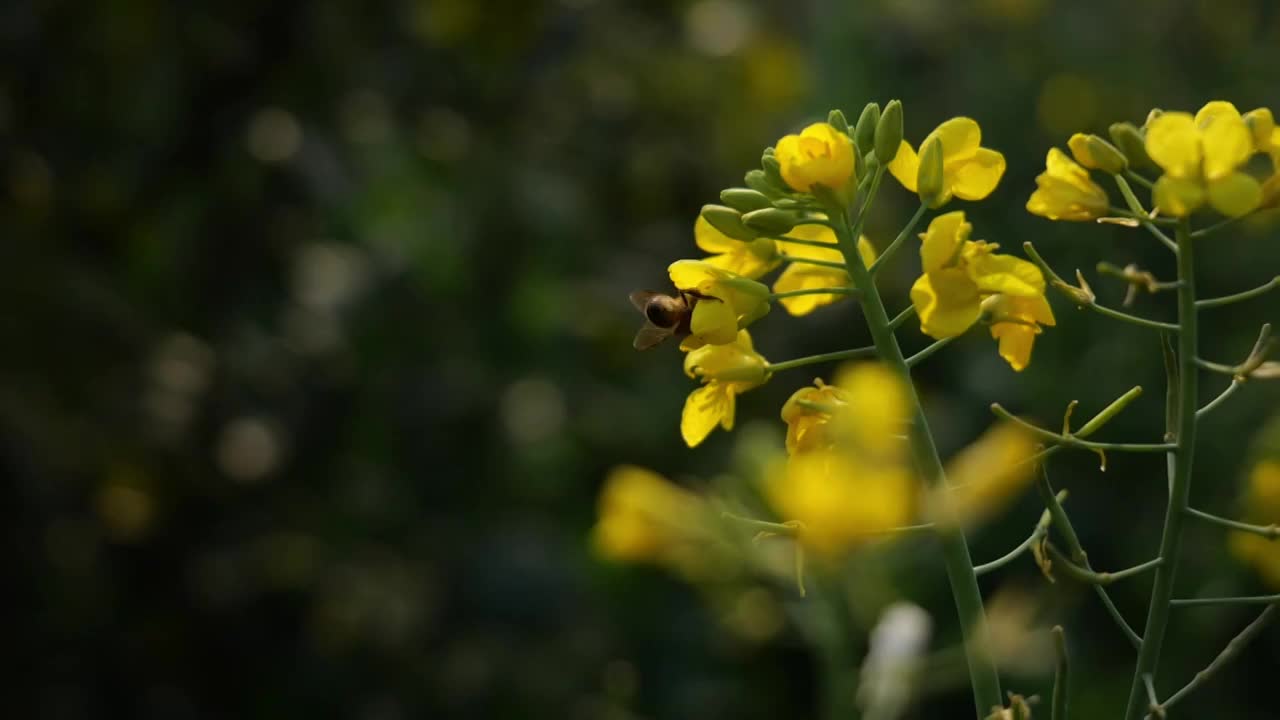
<point x="1180" y="485"/>
<point x="955" y="551"/>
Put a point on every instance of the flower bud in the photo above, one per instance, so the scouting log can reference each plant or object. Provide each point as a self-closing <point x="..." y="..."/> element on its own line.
<point x="1261" y="125"/>
<point x="744" y="199"/>
<point x="756" y="180"/>
<point x="836" y="119"/>
<point x="889" y="132"/>
<point x="864" y="133"/>
<point x="1130" y="142"/>
<point x="870" y="163"/>
<point x="728" y="221"/>
<point x="770" y="221"/>
<point x="1095" y="153"/>
<point x="764" y="248"/>
<point x="929" y="179"/>
<point x="773" y="170"/>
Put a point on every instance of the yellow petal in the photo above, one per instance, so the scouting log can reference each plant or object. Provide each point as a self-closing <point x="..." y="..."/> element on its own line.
<point x="1064" y="191"/>
<point x="990" y="473"/>
<point x="711" y="240"/>
<point x="819" y="155"/>
<point x="876" y="407"/>
<point x="1006" y="274"/>
<point x="947" y="302"/>
<point x="977" y="176"/>
<point x="1235" y="195"/>
<point x="815" y="233"/>
<point x="1261" y="124"/>
<point x="1215" y="109"/>
<point x="1227" y="144"/>
<point x="1016" y="341"/>
<point x="905" y="166"/>
<point x="799" y="276"/>
<point x="943" y="239"/>
<point x="1173" y="142"/>
<point x="960" y="138"/>
<point x="743" y="262"/>
<point x="704" y="409"/>
<point x="1177" y="197"/>
<point x="693" y="274"/>
<point x="714" y="322"/>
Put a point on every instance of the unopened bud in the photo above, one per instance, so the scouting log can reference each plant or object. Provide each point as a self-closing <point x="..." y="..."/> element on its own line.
<point x="744" y="199"/>
<point x="836" y="119"/>
<point x="758" y="181"/>
<point x="1082" y="295"/>
<point x="1095" y="153"/>
<point x="864" y="133"/>
<point x="770" y="221"/>
<point x="773" y="170"/>
<point x="929" y="180"/>
<point x="764" y="248"/>
<point x="889" y="132"/>
<point x="1129" y="140"/>
<point x="728" y="221"/>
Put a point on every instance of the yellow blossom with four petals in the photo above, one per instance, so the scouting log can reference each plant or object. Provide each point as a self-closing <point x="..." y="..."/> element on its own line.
<point x="819" y="155"/>
<point x="1201" y="156"/>
<point x="1064" y="191"/>
<point x="725" y="371"/>
<point x="969" y="171"/>
<point x="726" y="301"/>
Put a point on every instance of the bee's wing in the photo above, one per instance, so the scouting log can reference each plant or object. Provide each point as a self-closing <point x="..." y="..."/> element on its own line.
<point x="640" y="298"/>
<point x="650" y="335"/>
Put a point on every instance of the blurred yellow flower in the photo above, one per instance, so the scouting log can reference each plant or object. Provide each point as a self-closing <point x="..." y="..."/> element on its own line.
<point x="644" y="517"/>
<point x="819" y="155"/>
<point x="808" y="427"/>
<point x="750" y="259"/>
<point x="725" y="371"/>
<point x="1065" y="192"/>
<point x="1015" y="323"/>
<point x="840" y="501"/>
<point x="959" y="273"/>
<point x="986" y="476"/>
<point x="804" y="276"/>
<point x="1201" y="157"/>
<point x="1262" y="497"/>
<point x="874" y="418"/>
<point x="970" y="172"/>
<point x="726" y="301"/>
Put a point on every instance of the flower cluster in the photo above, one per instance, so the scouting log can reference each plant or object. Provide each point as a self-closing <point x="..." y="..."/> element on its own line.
<point x="962" y="277"/>
<point x="1204" y="159"/>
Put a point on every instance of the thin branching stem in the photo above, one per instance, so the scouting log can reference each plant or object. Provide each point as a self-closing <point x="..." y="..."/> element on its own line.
<point x="1270" y="532"/>
<point x="1091" y="577"/>
<point x="1012" y="555"/>
<point x="850" y="354"/>
<point x="1240" y="296"/>
<point x="1222" y="397"/>
<point x="1211" y="229"/>
<point x="902" y="317"/>
<point x="1234" y="600"/>
<point x="1228" y="653"/>
<point x="1074" y="441"/>
<point x="810" y="261"/>
<point x="893" y="247"/>
<point x="815" y="291"/>
<point x="1141" y="214"/>
<point x="931" y="349"/>
<point x="1139" y="179"/>
<point x="803" y="241"/>
<point x="1086" y="300"/>
<point x="1061" y="675"/>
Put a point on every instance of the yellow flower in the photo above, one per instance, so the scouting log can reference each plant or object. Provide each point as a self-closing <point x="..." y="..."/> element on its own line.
<point x="726" y="302"/>
<point x="1065" y="192"/>
<point x="969" y="172"/>
<point x="875" y="415"/>
<point x="809" y="428"/>
<point x="643" y="516"/>
<point x="840" y="501"/>
<point x="1201" y="157"/>
<point x="1263" y="499"/>
<point x="804" y="276"/>
<point x="959" y="273"/>
<point x="1015" y="322"/>
<point x="819" y="155"/>
<point x="750" y="259"/>
<point x="725" y="371"/>
<point x="986" y="476"/>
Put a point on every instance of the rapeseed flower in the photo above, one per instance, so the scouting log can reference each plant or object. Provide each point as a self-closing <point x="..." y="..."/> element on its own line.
<point x="819" y="155"/>
<point x="750" y="259"/>
<point x="642" y="516"/>
<point x="969" y="172"/>
<point x="806" y="276"/>
<point x="726" y="302"/>
<point x="1065" y="192"/>
<point x="725" y="371"/>
<point x="1015" y="323"/>
<point x="808" y="414"/>
<point x="1201" y="156"/>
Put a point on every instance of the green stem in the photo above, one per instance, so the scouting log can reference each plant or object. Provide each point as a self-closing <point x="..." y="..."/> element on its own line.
<point x="1238" y="600"/>
<point x="810" y="261"/>
<point x="861" y="352"/>
<point x="1012" y="555"/>
<point x="1202" y="232"/>
<point x="902" y="317"/>
<point x="1073" y="441"/>
<point x="1090" y="577"/>
<point x="1270" y="532"/>
<point x="1180" y="482"/>
<point x="1142" y="216"/>
<point x="801" y="241"/>
<point x="1209" y="406"/>
<point x="1060" y="675"/>
<point x="984" y="678"/>
<point x="897" y="242"/>
<point x="815" y="291"/>
<point x="1246" y="295"/>
<point x="1068" y="532"/>
<point x="931" y="349"/>
<point x="1132" y="319"/>
<point x="1139" y="179"/>
<point x="1228" y="653"/>
<point x="1085" y="299"/>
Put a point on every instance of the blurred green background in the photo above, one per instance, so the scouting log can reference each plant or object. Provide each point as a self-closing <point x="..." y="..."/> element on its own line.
<point x="315" y="345"/>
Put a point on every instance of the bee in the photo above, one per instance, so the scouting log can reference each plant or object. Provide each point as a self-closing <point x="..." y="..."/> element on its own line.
<point x="664" y="315"/>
